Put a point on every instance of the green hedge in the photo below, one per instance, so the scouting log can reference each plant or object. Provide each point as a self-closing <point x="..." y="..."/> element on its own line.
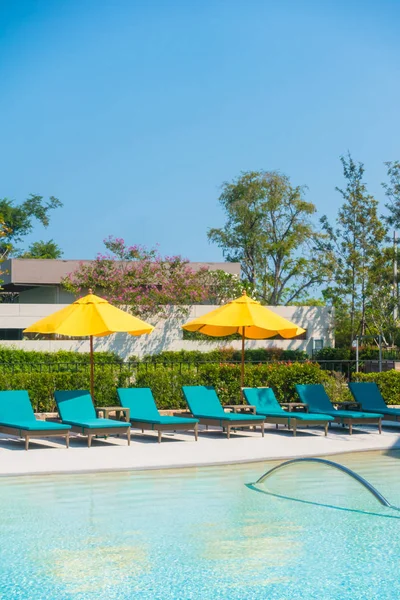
<point x="224" y="355"/>
<point x="334" y="354"/>
<point x="365" y="353"/>
<point x="166" y="382"/>
<point x="70" y="370"/>
<point x="41" y="386"/>
<point x="16" y="359"/>
<point x="388" y="382"/>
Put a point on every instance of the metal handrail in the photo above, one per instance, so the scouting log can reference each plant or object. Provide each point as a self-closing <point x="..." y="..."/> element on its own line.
<point x="338" y="466"/>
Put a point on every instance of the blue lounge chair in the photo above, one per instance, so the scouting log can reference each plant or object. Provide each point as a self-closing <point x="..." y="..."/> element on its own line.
<point x="206" y="407"/>
<point x="17" y="418"/>
<point x="76" y="409"/>
<point x="144" y="413"/>
<point x="266" y="404"/>
<point x="369" y="397"/>
<point x="315" y="396"/>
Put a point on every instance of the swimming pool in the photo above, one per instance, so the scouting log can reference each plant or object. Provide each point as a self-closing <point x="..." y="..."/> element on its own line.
<point x="202" y="534"/>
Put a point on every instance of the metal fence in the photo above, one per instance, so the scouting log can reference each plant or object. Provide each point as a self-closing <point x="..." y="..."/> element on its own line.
<point x="345" y="367"/>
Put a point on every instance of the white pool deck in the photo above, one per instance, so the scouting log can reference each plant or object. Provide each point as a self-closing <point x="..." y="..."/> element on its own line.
<point x="180" y="450"/>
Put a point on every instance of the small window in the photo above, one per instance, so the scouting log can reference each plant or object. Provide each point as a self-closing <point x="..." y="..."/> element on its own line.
<point x="11" y="334"/>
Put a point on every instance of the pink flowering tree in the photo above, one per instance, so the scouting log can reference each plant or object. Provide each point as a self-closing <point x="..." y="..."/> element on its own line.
<point x="147" y="283"/>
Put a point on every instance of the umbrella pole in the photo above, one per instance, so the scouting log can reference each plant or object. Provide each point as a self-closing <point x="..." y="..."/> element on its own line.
<point x="242" y="367"/>
<point x="91" y="367"/>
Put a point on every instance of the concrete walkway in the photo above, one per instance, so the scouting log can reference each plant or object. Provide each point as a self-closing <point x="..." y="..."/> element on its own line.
<point x="180" y="450"/>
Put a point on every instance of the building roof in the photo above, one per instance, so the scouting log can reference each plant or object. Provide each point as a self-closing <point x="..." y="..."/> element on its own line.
<point x="23" y="273"/>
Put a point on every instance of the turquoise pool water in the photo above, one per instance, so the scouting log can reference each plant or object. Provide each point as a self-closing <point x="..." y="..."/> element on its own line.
<point x="202" y="534"/>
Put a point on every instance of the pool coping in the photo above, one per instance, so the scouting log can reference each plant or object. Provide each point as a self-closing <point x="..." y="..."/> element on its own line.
<point x="189" y="465"/>
<point x="151" y="457"/>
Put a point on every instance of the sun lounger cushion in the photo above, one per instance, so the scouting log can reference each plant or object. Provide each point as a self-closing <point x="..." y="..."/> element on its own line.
<point x="267" y="405"/>
<point x="143" y="408"/>
<point x="16" y="412"/>
<point x="76" y="408"/>
<point x="36" y="425"/>
<point x="315" y="396"/>
<point x="370" y="398"/>
<point x="204" y="404"/>
<point x="165" y="420"/>
<point x="99" y="424"/>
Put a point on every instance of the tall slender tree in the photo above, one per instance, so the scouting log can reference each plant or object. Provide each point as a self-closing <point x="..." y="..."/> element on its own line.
<point x="392" y="191"/>
<point x="357" y="242"/>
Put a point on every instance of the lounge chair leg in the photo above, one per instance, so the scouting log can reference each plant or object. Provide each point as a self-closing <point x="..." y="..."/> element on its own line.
<point x="89" y="440"/>
<point x="351" y="428"/>
<point x="228" y="431"/>
<point x="142" y="430"/>
<point x="196" y="432"/>
<point x="262" y="429"/>
<point x="67" y="440"/>
<point x="380" y="426"/>
<point x="277" y="426"/>
<point x="26" y="442"/>
<point x="294" y="429"/>
<point x="128" y="435"/>
<point x="326" y="429"/>
<point x="159" y="436"/>
<point x="206" y="427"/>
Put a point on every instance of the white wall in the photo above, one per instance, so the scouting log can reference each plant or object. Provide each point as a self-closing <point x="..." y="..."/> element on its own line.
<point x="318" y="321"/>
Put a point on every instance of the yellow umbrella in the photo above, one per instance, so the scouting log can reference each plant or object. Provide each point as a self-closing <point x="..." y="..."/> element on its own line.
<point x="90" y="316"/>
<point x="246" y="317"/>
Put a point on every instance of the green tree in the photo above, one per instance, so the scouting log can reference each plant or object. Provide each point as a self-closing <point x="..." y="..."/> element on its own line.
<point x="270" y="232"/>
<point x="148" y="283"/>
<point x="392" y="191"/>
<point x="42" y="249"/>
<point x="382" y="300"/>
<point x="19" y="219"/>
<point x="223" y="287"/>
<point x="357" y="245"/>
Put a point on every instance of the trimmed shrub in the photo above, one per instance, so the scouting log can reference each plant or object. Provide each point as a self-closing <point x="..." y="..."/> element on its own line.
<point x="16" y="359"/>
<point x="333" y="354"/>
<point x="226" y="354"/>
<point x="42" y="373"/>
<point x="388" y="383"/>
<point x="166" y="381"/>
<point x="41" y="386"/>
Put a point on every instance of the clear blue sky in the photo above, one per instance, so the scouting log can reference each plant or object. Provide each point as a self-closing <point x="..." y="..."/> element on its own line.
<point x="133" y="112"/>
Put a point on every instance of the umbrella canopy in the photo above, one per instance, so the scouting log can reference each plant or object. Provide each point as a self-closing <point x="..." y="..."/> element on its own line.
<point x="90" y="316"/>
<point x="246" y="317"/>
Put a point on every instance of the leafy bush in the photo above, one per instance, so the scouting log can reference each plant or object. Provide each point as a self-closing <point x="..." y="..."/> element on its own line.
<point x="42" y="373"/>
<point x="166" y="381"/>
<point x="333" y="354"/>
<point x="364" y="353"/>
<point x="388" y="383"/>
<point x="226" y="354"/>
<point x="41" y="386"/>
<point x="18" y="359"/>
